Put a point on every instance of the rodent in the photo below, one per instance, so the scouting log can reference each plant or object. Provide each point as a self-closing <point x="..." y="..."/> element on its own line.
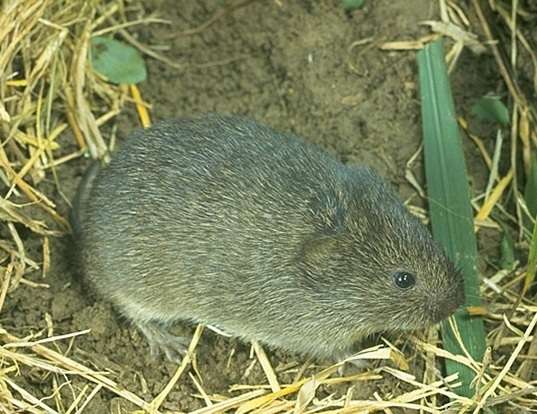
<point x="222" y="221"/>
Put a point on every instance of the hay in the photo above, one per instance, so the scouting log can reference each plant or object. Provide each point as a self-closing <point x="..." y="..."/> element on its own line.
<point x="46" y="90"/>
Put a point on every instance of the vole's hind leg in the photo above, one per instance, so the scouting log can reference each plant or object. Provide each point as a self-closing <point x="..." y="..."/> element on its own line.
<point x="163" y="342"/>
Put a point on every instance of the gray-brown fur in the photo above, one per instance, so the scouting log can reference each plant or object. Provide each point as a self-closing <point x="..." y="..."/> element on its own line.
<point x="226" y="222"/>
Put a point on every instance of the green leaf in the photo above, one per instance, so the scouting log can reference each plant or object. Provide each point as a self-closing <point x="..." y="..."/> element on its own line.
<point x="351" y="5"/>
<point x="532" y="262"/>
<point x="449" y="204"/>
<point x="530" y="190"/>
<point x="491" y="108"/>
<point x="117" y="61"/>
<point x="530" y="196"/>
<point x="507" y="249"/>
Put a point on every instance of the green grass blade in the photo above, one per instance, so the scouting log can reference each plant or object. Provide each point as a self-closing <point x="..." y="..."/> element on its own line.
<point x="532" y="262"/>
<point x="491" y="108"/>
<point x="449" y="203"/>
<point x="530" y="190"/>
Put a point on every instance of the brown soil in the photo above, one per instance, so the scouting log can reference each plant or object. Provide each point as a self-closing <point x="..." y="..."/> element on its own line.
<point x="288" y="66"/>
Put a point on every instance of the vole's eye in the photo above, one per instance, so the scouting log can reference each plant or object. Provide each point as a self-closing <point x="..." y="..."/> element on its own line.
<point x="404" y="280"/>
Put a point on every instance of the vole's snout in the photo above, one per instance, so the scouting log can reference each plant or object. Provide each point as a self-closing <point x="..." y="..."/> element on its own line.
<point x="449" y="303"/>
<point x="444" y="309"/>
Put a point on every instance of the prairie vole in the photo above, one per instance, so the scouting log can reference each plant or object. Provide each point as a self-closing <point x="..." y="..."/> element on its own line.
<point x="222" y="221"/>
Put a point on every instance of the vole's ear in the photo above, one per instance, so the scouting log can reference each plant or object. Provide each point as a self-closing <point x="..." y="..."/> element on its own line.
<point x="329" y="215"/>
<point x="318" y="250"/>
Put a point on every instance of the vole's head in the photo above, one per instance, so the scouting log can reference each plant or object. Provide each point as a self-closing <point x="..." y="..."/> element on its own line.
<point x="373" y="265"/>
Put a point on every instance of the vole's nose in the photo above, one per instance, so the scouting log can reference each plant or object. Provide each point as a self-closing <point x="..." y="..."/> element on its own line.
<point x="448" y="304"/>
<point x="443" y="311"/>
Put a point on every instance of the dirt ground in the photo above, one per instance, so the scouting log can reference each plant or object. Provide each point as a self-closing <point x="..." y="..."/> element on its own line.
<point x="288" y="65"/>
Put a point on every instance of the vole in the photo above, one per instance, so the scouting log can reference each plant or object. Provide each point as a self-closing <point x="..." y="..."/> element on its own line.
<point x="222" y="221"/>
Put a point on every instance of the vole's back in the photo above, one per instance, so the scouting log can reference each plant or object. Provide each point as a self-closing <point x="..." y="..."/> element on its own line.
<point x="206" y="220"/>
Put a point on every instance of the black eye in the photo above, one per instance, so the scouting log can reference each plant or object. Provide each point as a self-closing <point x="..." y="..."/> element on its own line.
<point x="404" y="280"/>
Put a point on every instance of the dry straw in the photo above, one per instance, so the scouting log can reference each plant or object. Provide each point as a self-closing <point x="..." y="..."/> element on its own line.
<point x="47" y="91"/>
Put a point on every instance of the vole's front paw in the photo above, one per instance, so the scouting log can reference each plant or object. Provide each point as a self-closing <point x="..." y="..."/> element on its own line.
<point x="163" y="342"/>
<point x="352" y="366"/>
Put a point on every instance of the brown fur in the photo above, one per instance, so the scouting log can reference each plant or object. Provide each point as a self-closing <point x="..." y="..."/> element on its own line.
<point x="222" y="221"/>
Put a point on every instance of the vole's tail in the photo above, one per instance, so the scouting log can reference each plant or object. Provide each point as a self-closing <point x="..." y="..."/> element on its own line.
<point x="76" y="215"/>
